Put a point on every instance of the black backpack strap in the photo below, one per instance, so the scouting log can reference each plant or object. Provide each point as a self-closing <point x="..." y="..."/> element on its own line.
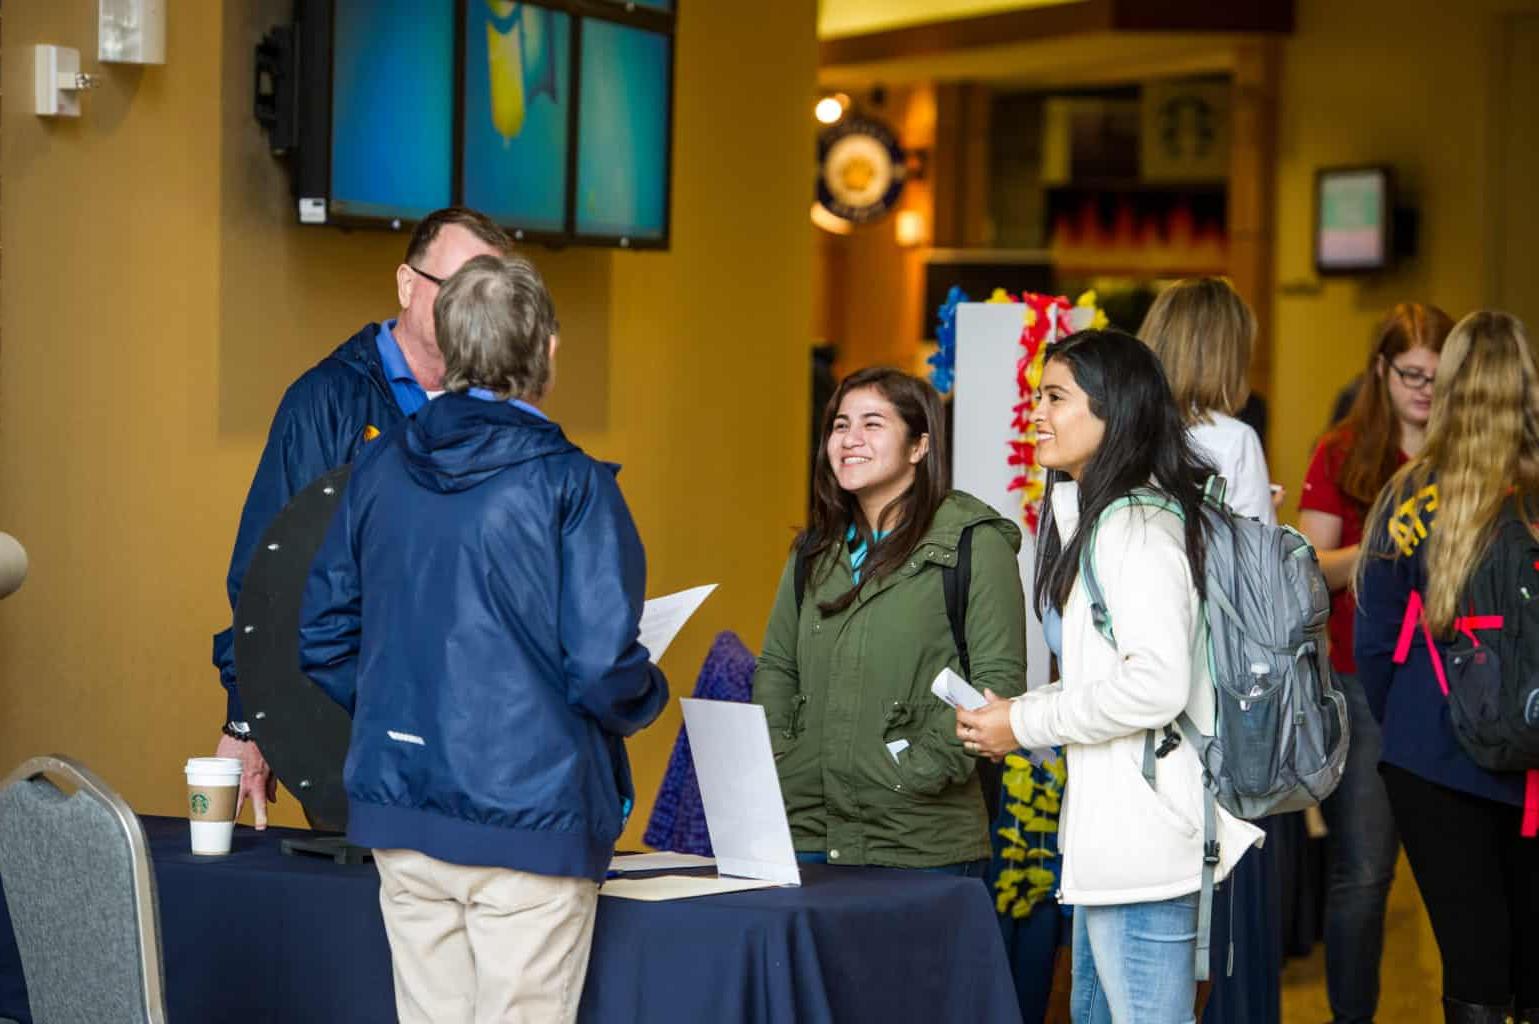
<point x="799" y="576"/>
<point x="956" y="581"/>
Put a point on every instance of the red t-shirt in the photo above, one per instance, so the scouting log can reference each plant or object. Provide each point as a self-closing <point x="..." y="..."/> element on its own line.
<point x="1321" y="494"/>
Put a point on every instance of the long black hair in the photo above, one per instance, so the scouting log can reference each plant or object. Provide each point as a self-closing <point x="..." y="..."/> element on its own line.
<point x="907" y="519"/>
<point x="1145" y="440"/>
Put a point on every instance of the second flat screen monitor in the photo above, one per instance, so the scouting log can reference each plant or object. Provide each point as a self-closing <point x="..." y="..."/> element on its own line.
<point x="622" y="134"/>
<point x="517" y="105"/>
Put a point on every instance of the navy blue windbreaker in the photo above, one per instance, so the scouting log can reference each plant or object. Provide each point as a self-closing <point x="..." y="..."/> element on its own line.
<point x="324" y="419"/>
<point x="475" y="607"/>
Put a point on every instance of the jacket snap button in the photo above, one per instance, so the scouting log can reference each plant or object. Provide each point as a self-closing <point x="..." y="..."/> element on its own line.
<point x="833" y="854"/>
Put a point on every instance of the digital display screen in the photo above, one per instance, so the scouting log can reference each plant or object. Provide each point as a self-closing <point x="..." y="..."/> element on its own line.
<point x="518" y="84"/>
<point x="622" y="134"/>
<point x="1353" y="228"/>
<point x="392" y="114"/>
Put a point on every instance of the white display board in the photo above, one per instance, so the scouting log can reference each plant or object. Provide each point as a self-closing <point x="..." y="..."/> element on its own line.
<point x="983" y="402"/>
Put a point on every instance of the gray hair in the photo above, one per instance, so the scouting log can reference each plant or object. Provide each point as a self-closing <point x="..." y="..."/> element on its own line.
<point x="494" y="320"/>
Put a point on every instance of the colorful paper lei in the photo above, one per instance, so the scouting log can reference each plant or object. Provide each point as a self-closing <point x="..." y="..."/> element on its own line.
<point x="1047" y="318"/>
<point x="1030" y="851"/>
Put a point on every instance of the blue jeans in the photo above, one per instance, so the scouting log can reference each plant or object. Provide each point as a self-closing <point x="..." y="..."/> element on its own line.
<point x="1134" y="963"/>
<point x="1360" y="857"/>
<point x="964" y="869"/>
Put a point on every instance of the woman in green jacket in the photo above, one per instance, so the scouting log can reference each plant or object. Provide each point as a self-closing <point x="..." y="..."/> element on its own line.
<point x="870" y="767"/>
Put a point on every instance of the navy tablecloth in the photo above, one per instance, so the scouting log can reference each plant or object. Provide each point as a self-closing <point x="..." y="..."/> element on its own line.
<point x="260" y="937"/>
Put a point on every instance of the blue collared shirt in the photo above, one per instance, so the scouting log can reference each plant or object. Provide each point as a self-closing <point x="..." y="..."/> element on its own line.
<point x="517" y="403"/>
<point x="409" y="395"/>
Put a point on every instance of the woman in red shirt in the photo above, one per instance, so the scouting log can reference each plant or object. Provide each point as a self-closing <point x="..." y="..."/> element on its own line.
<point x="1386" y="426"/>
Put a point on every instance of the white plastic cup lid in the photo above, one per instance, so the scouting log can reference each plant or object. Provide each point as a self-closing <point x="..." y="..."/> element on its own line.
<point x="213" y="766"/>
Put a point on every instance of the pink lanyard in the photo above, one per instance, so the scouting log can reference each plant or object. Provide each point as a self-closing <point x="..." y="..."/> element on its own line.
<point x="1466" y="625"/>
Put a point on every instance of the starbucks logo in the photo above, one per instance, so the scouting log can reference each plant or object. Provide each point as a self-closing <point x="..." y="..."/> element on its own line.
<point x="199" y="803"/>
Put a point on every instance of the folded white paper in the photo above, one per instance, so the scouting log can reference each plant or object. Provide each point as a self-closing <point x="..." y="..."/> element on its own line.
<point x="663" y="617"/>
<point x="956" y="691"/>
<point x="740" y="791"/>
<point x="897" y="747"/>
<point x="678" y="887"/>
<point x="662" y="861"/>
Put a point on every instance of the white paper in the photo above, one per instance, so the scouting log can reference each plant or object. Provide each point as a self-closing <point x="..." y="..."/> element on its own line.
<point x="662" y="861"/>
<point x="740" y="791"/>
<point x="897" y="747"/>
<point x="678" y="887"/>
<point x="956" y="691"/>
<point x="663" y="617"/>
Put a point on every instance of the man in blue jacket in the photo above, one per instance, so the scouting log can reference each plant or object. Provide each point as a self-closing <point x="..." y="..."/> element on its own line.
<point x="475" y="607"/>
<point x="375" y="379"/>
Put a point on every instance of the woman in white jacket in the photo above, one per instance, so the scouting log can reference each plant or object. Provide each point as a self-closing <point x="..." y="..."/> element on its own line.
<point x="1108" y="429"/>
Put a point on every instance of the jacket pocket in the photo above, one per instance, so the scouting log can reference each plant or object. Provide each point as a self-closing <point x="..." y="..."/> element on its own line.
<point x="783" y="735"/>
<point x="923" y="768"/>
<point x="1126" y="837"/>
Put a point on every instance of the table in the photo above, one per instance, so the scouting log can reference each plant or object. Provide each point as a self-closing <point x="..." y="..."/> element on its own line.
<point x="259" y="937"/>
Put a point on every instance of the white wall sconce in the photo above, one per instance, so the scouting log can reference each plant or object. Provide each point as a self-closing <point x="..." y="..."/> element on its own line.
<point x="131" y="31"/>
<point x="59" y="81"/>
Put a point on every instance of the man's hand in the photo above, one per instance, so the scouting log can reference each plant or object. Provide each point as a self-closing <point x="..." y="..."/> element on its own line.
<point x="987" y="731"/>
<point x="256" y="779"/>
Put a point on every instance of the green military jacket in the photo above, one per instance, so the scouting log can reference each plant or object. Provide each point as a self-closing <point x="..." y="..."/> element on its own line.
<point x="838" y="690"/>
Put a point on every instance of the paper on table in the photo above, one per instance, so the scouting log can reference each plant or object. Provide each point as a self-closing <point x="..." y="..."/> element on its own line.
<point x="663" y="617"/>
<point x="662" y="861"/>
<point x="956" y="691"/>
<point x="678" y="887"/>
<point x="740" y="790"/>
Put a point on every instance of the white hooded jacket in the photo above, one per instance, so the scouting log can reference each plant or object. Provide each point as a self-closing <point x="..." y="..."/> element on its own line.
<point x="1122" y="841"/>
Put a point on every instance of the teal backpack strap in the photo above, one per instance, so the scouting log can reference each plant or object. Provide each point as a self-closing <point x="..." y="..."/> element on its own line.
<point x="1099" y="614"/>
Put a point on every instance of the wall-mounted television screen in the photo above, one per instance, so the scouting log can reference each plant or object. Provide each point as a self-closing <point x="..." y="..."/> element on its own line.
<point x="517" y="115"/>
<point x="622" y="136"/>
<point x="392" y="109"/>
<point x="554" y="117"/>
<point x="1353" y="219"/>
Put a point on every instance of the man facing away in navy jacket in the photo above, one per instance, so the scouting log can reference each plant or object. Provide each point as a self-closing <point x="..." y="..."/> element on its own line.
<point x="374" y="380"/>
<point x="475" y="607"/>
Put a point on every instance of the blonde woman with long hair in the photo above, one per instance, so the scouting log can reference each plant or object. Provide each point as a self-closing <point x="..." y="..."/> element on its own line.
<point x="1429" y="530"/>
<point x="1203" y="333"/>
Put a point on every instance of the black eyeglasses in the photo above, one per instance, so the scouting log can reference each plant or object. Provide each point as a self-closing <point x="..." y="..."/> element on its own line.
<point x="423" y="273"/>
<point x="1413" y="378"/>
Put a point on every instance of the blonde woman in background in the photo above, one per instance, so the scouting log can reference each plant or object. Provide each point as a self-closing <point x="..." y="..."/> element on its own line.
<point x="1428" y="531"/>
<point x="1203" y="333"/>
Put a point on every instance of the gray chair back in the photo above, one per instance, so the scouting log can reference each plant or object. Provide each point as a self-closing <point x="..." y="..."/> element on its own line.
<point x="81" y="892"/>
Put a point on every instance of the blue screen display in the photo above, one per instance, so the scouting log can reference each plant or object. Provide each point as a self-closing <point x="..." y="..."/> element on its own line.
<point x="518" y="84"/>
<point x="392" y="117"/>
<point x="622" y="134"/>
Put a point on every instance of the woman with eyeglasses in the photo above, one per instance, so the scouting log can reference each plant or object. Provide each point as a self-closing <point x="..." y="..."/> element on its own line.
<point x="1433" y="553"/>
<point x="1386" y="427"/>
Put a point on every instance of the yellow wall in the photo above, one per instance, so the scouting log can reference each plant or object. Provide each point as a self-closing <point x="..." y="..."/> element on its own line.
<point x="157" y="297"/>
<point x="854" y="17"/>
<point x="1403" y="82"/>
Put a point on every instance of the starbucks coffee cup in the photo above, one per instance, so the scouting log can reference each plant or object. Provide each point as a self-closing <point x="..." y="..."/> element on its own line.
<point x="212" y="785"/>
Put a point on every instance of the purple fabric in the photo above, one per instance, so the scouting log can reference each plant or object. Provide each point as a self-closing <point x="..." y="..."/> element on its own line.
<point x="678" y="819"/>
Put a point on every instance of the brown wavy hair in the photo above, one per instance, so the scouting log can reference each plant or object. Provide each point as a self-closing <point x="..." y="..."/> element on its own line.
<point x="911" y="513"/>
<point x="1370" y="434"/>
<point x="1482" y="451"/>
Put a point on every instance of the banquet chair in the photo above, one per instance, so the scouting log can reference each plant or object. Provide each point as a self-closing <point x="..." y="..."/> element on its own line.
<point x="81" y="892"/>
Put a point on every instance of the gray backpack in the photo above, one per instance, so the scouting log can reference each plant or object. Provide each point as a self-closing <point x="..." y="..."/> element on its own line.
<point x="1280" y="727"/>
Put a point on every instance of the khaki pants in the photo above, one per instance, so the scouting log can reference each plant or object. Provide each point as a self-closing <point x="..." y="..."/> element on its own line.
<point x="483" y="945"/>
